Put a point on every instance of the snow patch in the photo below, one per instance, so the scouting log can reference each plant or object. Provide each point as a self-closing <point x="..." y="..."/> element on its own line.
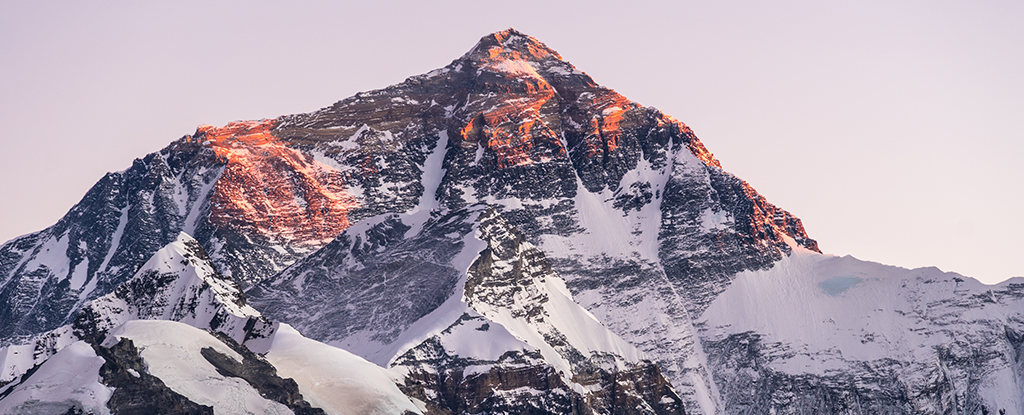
<point x="837" y="285"/>
<point x="334" y="379"/>
<point x="68" y="379"/>
<point x="53" y="252"/>
<point x="711" y="220"/>
<point x="172" y="352"/>
<point x="115" y="239"/>
<point x="515" y="67"/>
<point x="79" y="274"/>
<point x="433" y="172"/>
<point x="197" y="206"/>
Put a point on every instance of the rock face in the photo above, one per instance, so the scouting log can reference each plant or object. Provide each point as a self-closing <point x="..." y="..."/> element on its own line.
<point x="178" y="283"/>
<point x="400" y="223"/>
<point x="125" y="218"/>
<point x="179" y="338"/>
<point x="253" y="203"/>
<point x="499" y="334"/>
<point x="626" y="203"/>
<point x="271" y="192"/>
<point x="825" y="334"/>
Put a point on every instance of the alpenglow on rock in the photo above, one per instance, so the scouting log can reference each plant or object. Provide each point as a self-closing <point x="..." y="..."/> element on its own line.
<point x="365" y="223"/>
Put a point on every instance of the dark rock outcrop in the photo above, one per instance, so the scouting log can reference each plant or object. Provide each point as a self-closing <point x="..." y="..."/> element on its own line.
<point x="135" y="390"/>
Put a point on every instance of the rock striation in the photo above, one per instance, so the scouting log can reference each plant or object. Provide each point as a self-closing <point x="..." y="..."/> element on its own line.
<point x="502" y="334"/>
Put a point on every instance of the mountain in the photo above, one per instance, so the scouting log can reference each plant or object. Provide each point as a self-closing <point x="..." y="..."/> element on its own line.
<point x="179" y="338"/>
<point x="627" y="204"/>
<point x="234" y="191"/>
<point x="826" y="334"/>
<point x="505" y="234"/>
<point x="461" y="303"/>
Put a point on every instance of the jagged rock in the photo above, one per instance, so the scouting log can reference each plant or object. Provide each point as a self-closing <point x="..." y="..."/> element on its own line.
<point x="135" y="390"/>
<point x="152" y="365"/>
<point x="178" y="283"/>
<point x="503" y="337"/>
<point x="261" y="375"/>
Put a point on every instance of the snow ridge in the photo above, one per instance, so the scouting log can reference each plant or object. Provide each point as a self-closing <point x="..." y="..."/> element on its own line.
<point x="178" y="283"/>
<point x="178" y="314"/>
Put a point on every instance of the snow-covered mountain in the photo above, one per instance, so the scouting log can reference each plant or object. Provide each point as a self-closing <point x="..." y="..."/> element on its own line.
<point x="179" y="338"/>
<point x="254" y="204"/>
<point x="498" y="235"/>
<point x="509" y="333"/>
<point x="461" y="303"/>
<point x="826" y="334"/>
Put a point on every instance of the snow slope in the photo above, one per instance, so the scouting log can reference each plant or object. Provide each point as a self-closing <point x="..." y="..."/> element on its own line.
<point x="172" y="352"/>
<point x="68" y="380"/>
<point x="333" y="379"/>
<point x="179" y="283"/>
<point x="825" y="316"/>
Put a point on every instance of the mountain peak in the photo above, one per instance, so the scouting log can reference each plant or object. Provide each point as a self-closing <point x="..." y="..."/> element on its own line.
<point x="510" y="44"/>
<point x="180" y="283"/>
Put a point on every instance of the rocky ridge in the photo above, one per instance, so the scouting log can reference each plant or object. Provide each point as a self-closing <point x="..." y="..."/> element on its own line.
<point x="255" y="205"/>
<point x="178" y="283"/>
<point x="501" y="335"/>
<point x="179" y="338"/>
<point x="625" y="201"/>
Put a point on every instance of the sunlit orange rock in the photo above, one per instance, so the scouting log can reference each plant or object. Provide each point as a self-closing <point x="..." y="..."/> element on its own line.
<point x="272" y="190"/>
<point x="512" y="126"/>
<point x="608" y="109"/>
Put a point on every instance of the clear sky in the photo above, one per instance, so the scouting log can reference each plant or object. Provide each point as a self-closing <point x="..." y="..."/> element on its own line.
<point x="892" y="128"/>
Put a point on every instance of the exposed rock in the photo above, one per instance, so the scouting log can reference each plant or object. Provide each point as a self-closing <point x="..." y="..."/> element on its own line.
<point x="261" y="375"/>
<point x="506" y="338"/>
<point x="270" y="191"/>
<point x="135" y="390"/>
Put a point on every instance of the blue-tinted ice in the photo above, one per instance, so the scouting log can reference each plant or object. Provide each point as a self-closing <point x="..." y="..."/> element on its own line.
<point x="837" y="285"/>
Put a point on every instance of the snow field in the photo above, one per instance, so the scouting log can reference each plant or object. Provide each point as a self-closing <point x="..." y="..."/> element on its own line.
<point x="172" y="352"/>
<point x="69" y="378"/>
<point x="333" y="379"/>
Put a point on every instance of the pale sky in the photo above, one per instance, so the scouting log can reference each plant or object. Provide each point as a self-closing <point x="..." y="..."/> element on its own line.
<point x="893" y="129"/>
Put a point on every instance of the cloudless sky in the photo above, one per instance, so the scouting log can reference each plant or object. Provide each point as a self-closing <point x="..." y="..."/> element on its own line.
<point x="893" y="129"/>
